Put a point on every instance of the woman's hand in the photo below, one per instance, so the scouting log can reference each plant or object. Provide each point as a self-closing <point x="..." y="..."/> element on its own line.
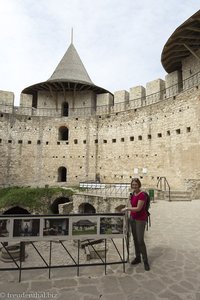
<point x="125" y="209"/>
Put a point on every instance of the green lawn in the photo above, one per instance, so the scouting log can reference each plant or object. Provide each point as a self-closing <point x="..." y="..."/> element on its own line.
<point x="33" y="198"/>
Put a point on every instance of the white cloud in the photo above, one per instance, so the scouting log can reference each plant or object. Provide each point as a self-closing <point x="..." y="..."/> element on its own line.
<point x="119" y="41"/>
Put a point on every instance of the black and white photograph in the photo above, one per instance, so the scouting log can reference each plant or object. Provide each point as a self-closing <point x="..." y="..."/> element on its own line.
<point x="53" y="227"/>
<point x="26" y="227"/>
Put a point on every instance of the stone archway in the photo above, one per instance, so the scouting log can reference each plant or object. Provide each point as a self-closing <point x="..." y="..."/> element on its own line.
<point x="16" y="210"/>
<point x="86" y="208"/>
<point x="54" y="206"/>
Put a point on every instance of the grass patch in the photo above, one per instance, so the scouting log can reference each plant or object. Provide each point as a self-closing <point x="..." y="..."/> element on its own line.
<point x="34" y="198"/>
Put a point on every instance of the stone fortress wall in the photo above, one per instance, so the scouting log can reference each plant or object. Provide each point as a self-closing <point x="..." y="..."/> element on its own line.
<point x="146" y="132"/>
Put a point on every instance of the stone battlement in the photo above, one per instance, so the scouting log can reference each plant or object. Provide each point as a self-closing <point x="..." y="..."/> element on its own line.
<point x="138" y="96"/>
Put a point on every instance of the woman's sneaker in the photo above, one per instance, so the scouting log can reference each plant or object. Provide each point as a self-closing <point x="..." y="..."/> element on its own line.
<point x="146" y="266"/>
<point x="136" y="261"/>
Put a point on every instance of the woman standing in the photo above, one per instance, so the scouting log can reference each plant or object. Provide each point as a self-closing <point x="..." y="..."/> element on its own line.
<point x="138" y="219"/>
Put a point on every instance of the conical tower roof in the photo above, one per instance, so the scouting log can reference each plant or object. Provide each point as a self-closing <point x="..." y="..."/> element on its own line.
<point x="69" y="75"/>
<point x="71" y="68"/>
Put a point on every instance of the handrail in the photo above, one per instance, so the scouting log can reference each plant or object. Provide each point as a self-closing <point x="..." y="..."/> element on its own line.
<point x="106" y="109"/>
<point x="164" y="180"/>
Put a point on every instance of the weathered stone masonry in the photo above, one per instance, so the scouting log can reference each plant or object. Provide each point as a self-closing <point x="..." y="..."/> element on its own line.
<point x="68" y="130"/>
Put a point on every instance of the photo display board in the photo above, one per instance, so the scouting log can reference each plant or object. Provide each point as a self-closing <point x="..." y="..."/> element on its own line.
<point x="61" y="227"/>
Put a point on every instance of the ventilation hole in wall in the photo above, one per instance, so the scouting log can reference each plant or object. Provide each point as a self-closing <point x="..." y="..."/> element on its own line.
<point x="58" y="143"/>
<point x="99" y="117"/>
<point x="141" y="177"/>
<point x="156" y="154"/>
<point x="197" y="87"/>
<point x="116" y="114"/>
<point x="67" y="143"/>
<point x="147" y="155"/>
<point x="135" y="109"/>
<point x="122" y="139"/>
<point x="11" y="127"/>
<point x="53" y="156"/>
<point x="75" y="127"/>
<point x="1" y="115"/>
<point x="127" y="155"/>
<point x="159" y="135"/>
<point x="180" y="110"/>
<point x="174" y="97"/>
<point x="0" y="141"/>
<point x="122" y="176"/>
<point x="119" y="156"/>
<point x="29" y="118"/>
<point x="79" y="156"/>
<point x="20" y="142"/>
<point x="100" y="168"/>
<point x="96" y="141"/>
<point x="178" y="131"/>
<point x="188" y="107"/>
<point x="56" y="156"/>
<point x="63" y="156"/>
<point x="29" y="142"/>
<point x="139" y="137"/>
<point x="83" y="156"/>
<point x="131" y="138"/>
<point x="149" y="136"/>
<point x="80" y="167"/>
<point x="70" y="156"/>
<point x="92" y="156"/>
<point x="75" y="141"/>
<point x="115" y="175"/>
<point x="136" y="155"/>
<point x="47" y="143"/>
<point x="105" y="141"/>
<point x="76" y="176"/>
<point x="76" y="119"/>
<point x="130" y="177"/>
<point x="168" y="132"/>
<point x="188" y="129"/>
<point x="113" y="140"/>
<point x="9" y="141"/>
<point x="84" y="142"/>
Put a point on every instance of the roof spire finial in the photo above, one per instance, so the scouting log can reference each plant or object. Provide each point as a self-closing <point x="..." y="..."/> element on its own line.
<point x="72" y="35"/>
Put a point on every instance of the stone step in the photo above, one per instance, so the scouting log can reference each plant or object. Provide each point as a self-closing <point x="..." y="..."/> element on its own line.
<point x="177" y="196"/>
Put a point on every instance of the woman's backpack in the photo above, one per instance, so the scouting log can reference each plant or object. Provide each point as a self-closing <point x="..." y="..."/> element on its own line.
<point x="148" y="204"/>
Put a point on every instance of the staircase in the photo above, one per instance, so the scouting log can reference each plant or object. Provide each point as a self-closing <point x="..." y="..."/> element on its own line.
<point x="176" y="195"/>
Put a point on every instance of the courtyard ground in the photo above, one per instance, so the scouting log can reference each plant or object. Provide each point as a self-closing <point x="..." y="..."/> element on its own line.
<point x="173" y="243"/>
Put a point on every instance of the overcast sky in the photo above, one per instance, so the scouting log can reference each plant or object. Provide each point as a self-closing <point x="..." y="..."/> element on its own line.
<point x="119" y="41"/>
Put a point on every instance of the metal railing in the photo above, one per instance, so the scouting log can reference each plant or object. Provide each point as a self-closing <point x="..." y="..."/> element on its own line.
<point x="106" y="189"/>
<point x="166" y="93"/>
<point x="163" y="185"/>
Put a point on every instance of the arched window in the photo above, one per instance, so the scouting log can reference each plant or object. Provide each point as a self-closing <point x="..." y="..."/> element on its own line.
<point x="62" y="174"/>
<point x="86" y="208"/>
<point x="65" y="109"/>
<point x="63" y="133"/>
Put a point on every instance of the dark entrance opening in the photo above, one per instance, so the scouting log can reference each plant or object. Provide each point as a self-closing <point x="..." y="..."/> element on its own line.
<point x="56" y="202"/>
<point x="65" y="109"/>
<point x="86" y="208"/>
<point x="63" y="133"/>
<point x="16" y="210"/>
<point x="62" y="174"/>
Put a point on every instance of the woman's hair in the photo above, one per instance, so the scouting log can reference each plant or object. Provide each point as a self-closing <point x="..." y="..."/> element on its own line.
<point x="137" y="180"/>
